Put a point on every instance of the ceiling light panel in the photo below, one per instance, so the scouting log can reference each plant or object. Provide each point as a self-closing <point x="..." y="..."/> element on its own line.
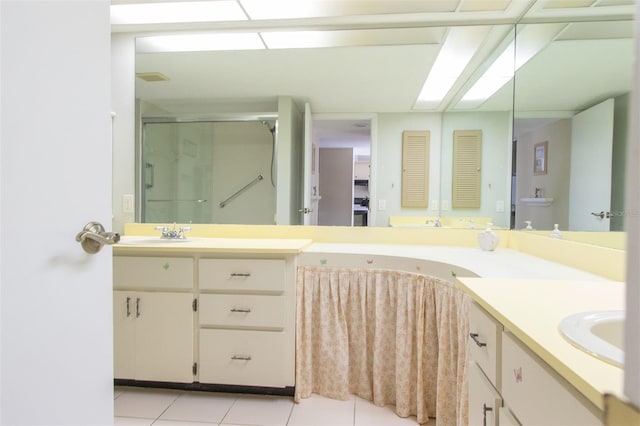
<point x="456" y="52"/>
<point x="530" y="40"/>
<point x="173" y="12"/>
<point x="199" y="42"/>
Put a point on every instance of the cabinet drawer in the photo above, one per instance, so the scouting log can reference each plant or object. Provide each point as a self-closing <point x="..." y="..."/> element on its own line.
<point x="234" y="310"/>
<point x="242" y="275"/>
<point x="555" y="402"/>
<point x="157" y="272"/>
<point x="484" y="400"/>
<point x="505" y="418"/>
<point x="485" y="336"/>
<point x="250" y="358"/>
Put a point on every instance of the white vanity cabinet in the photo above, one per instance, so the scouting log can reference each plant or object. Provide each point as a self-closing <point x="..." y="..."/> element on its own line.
<point x="537" y="395"/>
<point x="510" y="385"/>
<point x="485" y="335"/>
<point x="153" y="319"/>
<point x="246" y="321"/>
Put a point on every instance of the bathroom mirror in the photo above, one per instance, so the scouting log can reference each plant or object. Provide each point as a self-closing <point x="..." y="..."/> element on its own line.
<point x="250" y="82"/>
<point x="572" y="98"/>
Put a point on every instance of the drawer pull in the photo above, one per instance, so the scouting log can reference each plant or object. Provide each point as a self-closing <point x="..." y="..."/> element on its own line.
<point x="237" y="274"/>
<point x="474" y="336"/>
<point x="241" y="358"/>
<point x="128" y="307"/>
<point x="484" y="414"/>
<point x="244" y="311"/>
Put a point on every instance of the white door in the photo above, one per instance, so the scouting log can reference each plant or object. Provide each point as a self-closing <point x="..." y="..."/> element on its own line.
<point x="590" y="178"/>
<point x="311" y="195"/>
<point x="55" y="174"/>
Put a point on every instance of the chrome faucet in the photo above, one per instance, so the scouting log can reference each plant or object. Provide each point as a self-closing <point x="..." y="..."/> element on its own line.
<point x="437" y="223"/>
<point x="538" y="192"/>
<point x="173" y="233"/>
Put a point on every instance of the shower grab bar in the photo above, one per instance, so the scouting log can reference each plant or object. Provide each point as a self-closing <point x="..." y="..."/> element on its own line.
<point x="241" y="190"/>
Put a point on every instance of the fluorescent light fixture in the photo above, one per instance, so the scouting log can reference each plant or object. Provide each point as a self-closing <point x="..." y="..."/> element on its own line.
<point x="459" y="47"/>
<point x="199" y="42"/>
<point x="530" y="40"/>
<point x="496" y="76"/>
<point x="191" y="11"/>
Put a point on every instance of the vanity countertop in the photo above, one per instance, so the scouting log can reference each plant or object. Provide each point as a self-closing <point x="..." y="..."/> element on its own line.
<point x="130" y="244"/>
<point x="532" y="309"/>
<point x="501" y="263"/>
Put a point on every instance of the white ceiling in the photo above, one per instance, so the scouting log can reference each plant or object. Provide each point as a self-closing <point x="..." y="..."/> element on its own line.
<point x="381" y="53"/>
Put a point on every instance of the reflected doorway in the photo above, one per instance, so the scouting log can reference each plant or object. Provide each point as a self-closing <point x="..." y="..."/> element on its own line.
<point x="342" y="158"/>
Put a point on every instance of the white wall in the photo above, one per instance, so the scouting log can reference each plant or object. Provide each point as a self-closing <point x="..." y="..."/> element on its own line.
<point x="387" y="168"/>
<point x="555" y="184"/>
<point x="290" y="143"/>
<point x="241" y="152"/>
<point x="124" y="129"/>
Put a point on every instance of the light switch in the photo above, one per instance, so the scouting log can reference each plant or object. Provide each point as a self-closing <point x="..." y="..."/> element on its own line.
<point x="434" y="204"/>
<point x="445" y="205"/>
<point x="127" y="203"/>
<point x="382" y="205"/>
<point x="499" y="206"/>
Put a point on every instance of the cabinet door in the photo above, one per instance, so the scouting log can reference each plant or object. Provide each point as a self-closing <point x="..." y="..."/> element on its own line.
<point x="164" y="337"/>
<point x="484" y="400"/>
<point x="536" y="394"/>
<point x="124" y="334"/>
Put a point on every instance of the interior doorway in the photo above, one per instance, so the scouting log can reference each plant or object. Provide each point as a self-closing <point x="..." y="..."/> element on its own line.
<point x="344" y="196"/>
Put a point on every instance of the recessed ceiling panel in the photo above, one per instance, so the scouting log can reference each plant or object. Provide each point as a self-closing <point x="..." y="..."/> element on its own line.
<point x="377" y="37"/>
<point x="288" y="9"/>
<point x="347" y="79"/>
<point x="566" y="4"/>
<point x="484" y="5"/>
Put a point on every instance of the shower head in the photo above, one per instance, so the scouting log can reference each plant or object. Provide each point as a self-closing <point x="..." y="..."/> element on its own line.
<point x="271" y="126"/>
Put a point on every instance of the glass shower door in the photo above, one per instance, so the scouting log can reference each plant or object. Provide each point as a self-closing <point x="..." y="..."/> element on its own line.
<point x="176" y="172"/>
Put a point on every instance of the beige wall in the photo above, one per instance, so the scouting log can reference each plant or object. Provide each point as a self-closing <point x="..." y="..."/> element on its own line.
<point x="555" y="184"/>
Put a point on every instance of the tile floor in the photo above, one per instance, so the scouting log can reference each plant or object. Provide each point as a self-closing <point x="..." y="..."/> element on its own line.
<point x="145" y="407"/>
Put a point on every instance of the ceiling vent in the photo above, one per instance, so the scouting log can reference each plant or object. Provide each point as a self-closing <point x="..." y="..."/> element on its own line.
<point x="152" y="76"/>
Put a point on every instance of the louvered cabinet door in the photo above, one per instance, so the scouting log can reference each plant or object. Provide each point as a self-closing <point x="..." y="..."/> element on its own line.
<point x="415" y="168"/>
<point x="467" y="161"/>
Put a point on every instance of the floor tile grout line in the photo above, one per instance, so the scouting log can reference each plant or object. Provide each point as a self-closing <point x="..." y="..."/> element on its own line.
<point x="236" y="398"/>
<point x="290" y="412"/>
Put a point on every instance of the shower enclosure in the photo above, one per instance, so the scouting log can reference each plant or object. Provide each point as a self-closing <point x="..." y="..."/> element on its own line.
<point x="208" y="172"/>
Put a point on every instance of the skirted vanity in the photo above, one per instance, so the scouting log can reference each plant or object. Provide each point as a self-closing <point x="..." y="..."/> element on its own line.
<point x="421" y="319"/>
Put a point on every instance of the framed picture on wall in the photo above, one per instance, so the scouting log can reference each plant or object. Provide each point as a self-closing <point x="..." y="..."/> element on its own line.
<point x="540" y="158"/>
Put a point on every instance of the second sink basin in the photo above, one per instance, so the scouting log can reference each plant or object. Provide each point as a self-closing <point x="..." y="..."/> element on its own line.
<point x="599" y="333"/>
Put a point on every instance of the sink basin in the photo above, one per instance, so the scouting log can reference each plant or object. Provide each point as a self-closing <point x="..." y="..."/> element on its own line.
<point x="542" y="202"/>
<point x="152" y="240"/>
<point x="599" y="333"/>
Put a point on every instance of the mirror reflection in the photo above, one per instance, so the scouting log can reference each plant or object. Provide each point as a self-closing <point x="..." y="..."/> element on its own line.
<point x="570" y="79"/>
<point x="208" y="172"/>
<point x="571" y="110"/>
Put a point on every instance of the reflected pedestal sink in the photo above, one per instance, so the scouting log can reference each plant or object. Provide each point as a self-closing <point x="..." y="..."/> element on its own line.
<point x="599" y="333"/>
